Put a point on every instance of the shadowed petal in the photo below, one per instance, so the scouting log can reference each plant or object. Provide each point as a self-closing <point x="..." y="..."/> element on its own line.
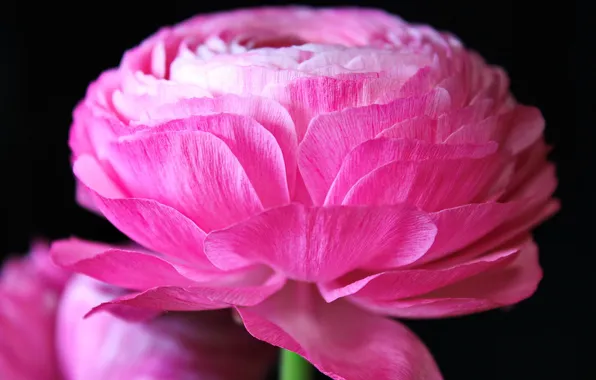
<point x="330" y="336"/>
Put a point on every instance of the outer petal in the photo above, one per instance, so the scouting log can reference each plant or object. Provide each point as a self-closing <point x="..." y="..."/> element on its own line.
<point x="320" y="244"/>
<point x="246" y="290"/>
<point x="193" y="172"/>
<point x="172" y="346"/>
<point x="375" y="153"/>
<point x="125" y="268"/>
<point x="332" y="136"/>
<point x="331" y="335"/>
<point x="253" y="146"/>
<point x="499" y="287"/>
<point x="431" y="185"/>
<point x="460" y="226"/>
<point x="405" y="283"/>
<point x="150" y="223"/>
<point x="266" y="112"/>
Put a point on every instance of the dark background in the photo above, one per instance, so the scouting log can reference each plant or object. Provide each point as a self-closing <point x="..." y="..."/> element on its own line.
<point x="51" y="51"/>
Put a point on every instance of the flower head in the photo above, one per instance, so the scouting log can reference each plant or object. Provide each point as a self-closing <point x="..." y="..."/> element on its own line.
<point x="302" y="165"/>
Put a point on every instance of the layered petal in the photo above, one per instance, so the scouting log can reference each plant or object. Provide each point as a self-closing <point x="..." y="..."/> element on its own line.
<point x="500" y="286"/>
<point x="124" y="267"/>
<point x="297" y="319"/>
<point x="405" y="283"/>
<point x="192" y="171"/>
<point x="376" y="153"/>
<point x="247" y="288"/>
<point x="269" y="114"/>
<point x="332" y="136"/>
<point x="320" y="243"/>
<point x="431" y="185"/>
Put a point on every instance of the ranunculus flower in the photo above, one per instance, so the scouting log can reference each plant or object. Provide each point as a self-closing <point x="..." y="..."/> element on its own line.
<point x="45" y="337"/>
<point x="317" y="170"/>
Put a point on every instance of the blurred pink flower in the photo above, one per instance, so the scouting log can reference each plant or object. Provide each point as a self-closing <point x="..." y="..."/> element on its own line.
<point x="45" y="337"/>
<point x="317" y="170"/>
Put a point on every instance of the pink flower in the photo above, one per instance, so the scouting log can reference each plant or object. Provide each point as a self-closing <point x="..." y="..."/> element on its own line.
<point x="45" y="337"/>
<point x="317" y="170"/>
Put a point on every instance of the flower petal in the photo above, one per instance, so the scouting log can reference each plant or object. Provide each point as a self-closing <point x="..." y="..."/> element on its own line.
<point x="194" y="172"/>
<point x="266" y="112"/>
<point x="460" y="226"/>
<point x="124" y="268"/>
<point x="320" y="244"/>
<point x="194" y="298"/>
<point x="331" y="335"/>
<point x="431" y="185"/>
<point x="149" y="223"/>
<point x="330" y="137"/>
<point x="405" y="283"/>
<point x="501" y="286"/>
<point x="375" y="153"/>
<point x="253" y="146"/>
<point x="308" y="97"/>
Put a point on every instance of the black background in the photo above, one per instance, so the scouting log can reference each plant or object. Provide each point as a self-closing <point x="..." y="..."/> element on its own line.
<point x="51" y="51"/>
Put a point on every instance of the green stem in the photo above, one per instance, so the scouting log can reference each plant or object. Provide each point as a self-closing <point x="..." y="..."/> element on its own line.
<point x="293" y="367"/>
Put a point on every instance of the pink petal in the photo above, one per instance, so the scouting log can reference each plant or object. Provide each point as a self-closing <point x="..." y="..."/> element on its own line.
<point x="330" y="336"/>
<point x="30" y="289"/>
<point x="266" y="112"/>
<point x="149" y="223"/>
<point x="431" y="184"/>
<point x="421" y="128"/>
<point x="452" y="121"/>
<point x="519" y="224"/>
<point x="247" y="292"/>
<point x="124" y="268"/>
<point x="85" y="198"/>
<point x="537" y="188"/>
<point x="375" y="153"/>
<point x="308" y="97"/>
<point x="320" y="244"/>
<point x="229" y="78"/>
<point x="170" y="346"/>
<point x="405" y="283"/>
<point x="527" y="127"/>
<point x="460" y="226"/>
<point x="332" y="136"/>
<point x="498" y="287"/>
<point x="193" y="172"/>
<point x="492" y="128"/>
<point x="253" y="146"/>
<point x="528" y="163"/>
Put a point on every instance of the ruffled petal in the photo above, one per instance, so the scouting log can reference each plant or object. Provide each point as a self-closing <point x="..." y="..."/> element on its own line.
<point x="501" y="286"/>
<point x="405" y="283"/>
<point x="375" y="153"/>
<point x="320" y="244"/>
<point x="308" y="97"/>
<point x="149" y="223"/>
<point x="332" y="136"/>
<point x="268" y="113"/>
<point x="194" y="172"/>
<point x="431" y="185"/>
<point x="253" y="146"/>
<point x="125" y="268"/>
<point x="239" y="291"/>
